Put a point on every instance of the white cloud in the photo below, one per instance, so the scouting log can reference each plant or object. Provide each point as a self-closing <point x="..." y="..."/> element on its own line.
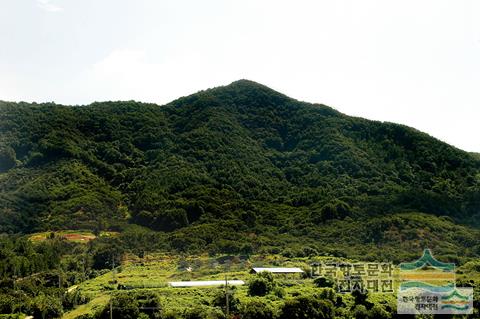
<point x="126" y="74"/>
<point x="132" y="74"/>
<point x="411" y="62"/>
<point x="47" y="5"/>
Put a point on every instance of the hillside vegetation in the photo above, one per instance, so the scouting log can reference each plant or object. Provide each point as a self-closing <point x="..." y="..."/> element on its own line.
<point x="239" y="172"/>
<point x="236" y="169"/>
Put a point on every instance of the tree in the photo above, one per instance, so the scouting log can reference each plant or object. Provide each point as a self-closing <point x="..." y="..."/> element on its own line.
<point x="256" y="309"/>
<point x="149" y="303"/>
<point x="7" y="158"/>
<point x="45" y="306"/>
<point x="124" y="306"/>
<point x="220" y="300"/>
<point x="360" y="312"/>
<point x="194" y="313"/>
<point x="361" y="298"/>
<point x="307" y="307"/>
<point x="377" y="312"/>
<point x="261" y="284"/>
<point x="324" y="282"/>
<point x="107" y="252"/>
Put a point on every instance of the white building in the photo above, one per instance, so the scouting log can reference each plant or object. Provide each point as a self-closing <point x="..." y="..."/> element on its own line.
<point x="205" y="283"/>
<point x="277" y="270"/>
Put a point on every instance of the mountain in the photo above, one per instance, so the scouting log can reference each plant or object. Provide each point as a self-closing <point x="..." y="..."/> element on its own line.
<point x="238" y="168"/>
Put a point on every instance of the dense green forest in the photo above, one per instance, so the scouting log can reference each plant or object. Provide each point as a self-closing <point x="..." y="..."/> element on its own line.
<point x="240" y="169"/>
<point x="228" y="163"/>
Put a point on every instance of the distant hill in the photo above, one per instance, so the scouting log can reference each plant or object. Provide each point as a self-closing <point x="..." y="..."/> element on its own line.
<point x="237" y="168"/>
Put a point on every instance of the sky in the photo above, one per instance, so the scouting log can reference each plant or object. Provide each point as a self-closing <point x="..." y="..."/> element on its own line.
<point x="411" y="62"/>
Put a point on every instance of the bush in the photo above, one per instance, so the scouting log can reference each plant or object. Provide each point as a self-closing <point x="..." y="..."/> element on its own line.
<point x="221" y="301"/>
<point x="170" y="315"/>
<point x="194" y="313"/>
<point x="124" y="306"/>
<point x="256" y="309"/>
<point x="360" y="312"/>
<point x="361" y="298"/>
<point x="329" y="293"/>
<point x="107" y="252"/>
<point x="261" y="285"/>
<point x="7" y="158"/>
<point x="149" y="303"/>
<point x="44" y="306"/>
<point x="279" y="292"/>
<point x="378" y="312"/>
<point x="307" y="307"/>
<point x="324" y="282"/>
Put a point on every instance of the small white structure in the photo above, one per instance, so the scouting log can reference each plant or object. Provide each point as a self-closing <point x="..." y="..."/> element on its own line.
<point x="278" y="270"/>
<point x="205" y="283"/>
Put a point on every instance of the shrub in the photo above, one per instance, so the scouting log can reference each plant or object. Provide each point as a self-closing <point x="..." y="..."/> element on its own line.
<point x="7" y="158"/>
<point x="324" y="282"/>
<point x="170" y="315"/>
<point x="44" y="306"/>
<point x="194" y="313"/>
<point x="221" y="301"/>
<point x="261" y="284"/>
<point x="279" y="292"/>
<point x="360" y="312"/>
<point x="377" y="312"/>
<point x="256" y="309"/>
<point x="124" y="306"/>
<point x="307" y="307"/>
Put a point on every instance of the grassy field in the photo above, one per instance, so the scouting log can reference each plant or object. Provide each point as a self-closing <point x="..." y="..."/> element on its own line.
<point x="70" y="235"/>
<point x="95" y="304"/>
<point x="155" y="271"/>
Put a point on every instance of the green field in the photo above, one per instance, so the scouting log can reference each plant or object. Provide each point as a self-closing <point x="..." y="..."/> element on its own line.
<point x="70" y="235"/>
<point x="154" y="272"/>
<point x="83" y="281"/>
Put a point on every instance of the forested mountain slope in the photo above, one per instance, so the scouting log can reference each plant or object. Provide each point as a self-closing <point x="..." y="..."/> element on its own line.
<point x="235" y="169"/>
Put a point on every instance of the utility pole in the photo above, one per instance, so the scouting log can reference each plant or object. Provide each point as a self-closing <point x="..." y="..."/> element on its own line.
<point x="114" y="278"/>
<point x="84" y="267"/>
<point x="62" y="295"/>
<point x="226" y="298"/>
<point x="113" y="283"/>
<point x="15" y="277"/>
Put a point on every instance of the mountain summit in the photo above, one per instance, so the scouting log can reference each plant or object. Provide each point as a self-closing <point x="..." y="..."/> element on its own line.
<point x="226" y="165"/>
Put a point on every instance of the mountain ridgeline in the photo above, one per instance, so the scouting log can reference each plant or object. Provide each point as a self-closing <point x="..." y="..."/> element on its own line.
<point x="237" y="169"/>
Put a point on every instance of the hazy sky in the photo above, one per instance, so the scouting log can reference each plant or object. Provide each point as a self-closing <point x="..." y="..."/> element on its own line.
<point x="411" y="62"/>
